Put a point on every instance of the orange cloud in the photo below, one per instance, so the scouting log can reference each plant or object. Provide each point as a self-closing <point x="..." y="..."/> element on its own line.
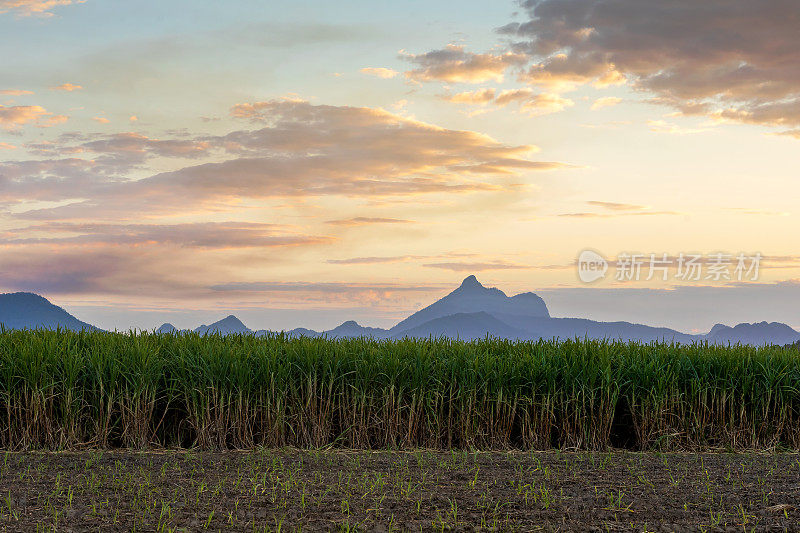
<point x="68" y="87"/>
<point x="364" y="221"/>
<point x="193" y="235"/>
<point x="101" y="120"/>
<point x="616" y="206"/>
<point x="478" y="266"/>
<point x="15" y="92"/>
<point x="11" y="117"/>
<point x="6" y="146"/>
<point x="534" y="104"/>
<point x="55" y="120"/>
<point x="617" y="209"/>
<point x="481" y="96"/>
<point x="373" y="260"/>
<point x="297" y="150"/>
<point x="545" y="103"/>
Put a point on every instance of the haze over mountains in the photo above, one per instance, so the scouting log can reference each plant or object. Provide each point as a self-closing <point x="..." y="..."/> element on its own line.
<point x="471" y="311"/>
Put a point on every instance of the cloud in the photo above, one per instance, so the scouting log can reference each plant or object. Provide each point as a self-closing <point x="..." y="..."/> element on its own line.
<point x="790" y="133"/>
<point x="480" y="97"/>
<point x="131" y="148"/>
<point x="378" y="296"/>
<point x="545" y="103"/>
<point x="157" y="260"/>
<point x="528" y="101"/>
<point x="15" y="92"/>
<point x="11" y="117"/>
<point x="478" y="266"/>
<point x="615" y="215"/>
<point x="606" y="101"/>
<point x="50" y="179"/>
<point x="218" y="235"/>
<point x="300" y="150"/>
<point x="68" y="87"/>
<point x="59" y="271"/>
<point x="380" y="72"/>
<point x="156" y="271"/>
<point x="373" y="260"/>
<point x="514" y="95"/>
<point x="733" y="60"/>
<point x="101" y="120"/>
<point x="662" y="126"/>
<point x="54" y="121"/>
<point x="615" y="206"/>
<point x="333" y="287"/>
<point x="27" y="8"/>
<point x="364" y="221"/>
<point x="617" y="210"/>
<point x="6" y="146"/>
<point x="456" y="65"/>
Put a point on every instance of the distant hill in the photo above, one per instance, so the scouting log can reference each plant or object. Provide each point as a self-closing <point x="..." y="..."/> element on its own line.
<point x="570" y="328"/>
<point x="472" y="297"/>
<point x="464" y="326"/>
<point x="303" y="332"/>
<point x="757" y="334"/>
<point x="25" y="310"/>
<point x="228" y="325"/>
<point x="352" y="329"/>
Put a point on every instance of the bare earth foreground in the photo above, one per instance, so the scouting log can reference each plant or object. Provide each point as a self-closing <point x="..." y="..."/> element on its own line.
<point x="289" y="490"/>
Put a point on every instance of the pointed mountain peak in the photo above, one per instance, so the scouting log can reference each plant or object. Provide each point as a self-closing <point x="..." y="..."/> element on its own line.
<point x="166" y="327"/>
<point x="229" y="324"/>
<point x="471" y="282"/>
<point x="472" y="297"/>
<point x="350" y="324"/>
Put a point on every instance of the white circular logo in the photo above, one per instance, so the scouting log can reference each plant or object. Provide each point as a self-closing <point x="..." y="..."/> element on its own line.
<point x="591" y="266"/>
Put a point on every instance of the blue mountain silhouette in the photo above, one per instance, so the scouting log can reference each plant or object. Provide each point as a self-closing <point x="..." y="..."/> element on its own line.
<point x="25" y="310"/>
<point x="471" y="311"/>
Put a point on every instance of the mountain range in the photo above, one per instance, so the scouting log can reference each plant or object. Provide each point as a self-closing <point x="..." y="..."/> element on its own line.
<point x="471" y="311"/>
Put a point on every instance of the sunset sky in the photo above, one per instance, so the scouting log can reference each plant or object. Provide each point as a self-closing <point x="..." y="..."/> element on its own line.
<point x="304" y="163"/>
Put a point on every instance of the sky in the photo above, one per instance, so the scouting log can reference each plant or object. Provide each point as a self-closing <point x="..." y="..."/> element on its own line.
<point x="305" y="163"/>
